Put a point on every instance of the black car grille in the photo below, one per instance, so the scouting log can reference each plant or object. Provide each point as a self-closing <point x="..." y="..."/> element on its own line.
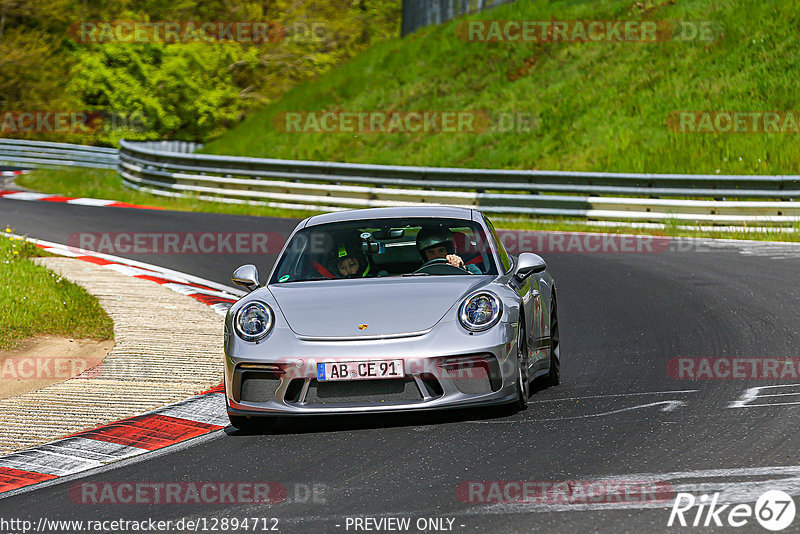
<point x="363" y="392"/>
<point x="472" y="374"/>
<point x="259" y="387"/>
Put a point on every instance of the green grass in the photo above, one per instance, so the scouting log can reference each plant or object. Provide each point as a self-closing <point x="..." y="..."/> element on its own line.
<point x="36" y="301"/>
<point x="600" y="106"/>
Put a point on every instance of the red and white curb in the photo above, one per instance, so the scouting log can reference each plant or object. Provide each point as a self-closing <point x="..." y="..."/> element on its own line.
<point x="14" y="173"/>
<point x="31" y="196"/>
<point x="218" y="296"/>
<point x="187" y="419"/>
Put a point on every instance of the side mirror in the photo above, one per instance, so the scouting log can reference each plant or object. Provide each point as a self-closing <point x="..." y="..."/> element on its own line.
<point x="246" y="276"/>
<point x="528" y="264"/>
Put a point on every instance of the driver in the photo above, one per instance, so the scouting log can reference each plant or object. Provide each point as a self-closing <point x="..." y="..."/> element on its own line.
<point x="437" y="242"/>
<point x="351" y="262"/>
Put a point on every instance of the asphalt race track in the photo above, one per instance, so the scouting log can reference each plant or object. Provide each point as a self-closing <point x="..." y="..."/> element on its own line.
<point x="617" y="414"/>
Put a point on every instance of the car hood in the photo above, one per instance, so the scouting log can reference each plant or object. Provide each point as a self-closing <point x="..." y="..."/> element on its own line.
<point x="388" y="307"/>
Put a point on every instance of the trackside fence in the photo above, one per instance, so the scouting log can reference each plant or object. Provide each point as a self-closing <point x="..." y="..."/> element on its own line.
<point x="171" y="168"/>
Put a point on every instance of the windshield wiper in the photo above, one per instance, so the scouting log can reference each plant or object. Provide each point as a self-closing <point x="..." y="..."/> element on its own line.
<point x="417" y="274"/>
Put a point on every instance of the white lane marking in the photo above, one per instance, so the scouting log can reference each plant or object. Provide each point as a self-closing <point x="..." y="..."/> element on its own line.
<point x="221" y="308"/>
<point x="753" y="394"/>
<point x="620" y="395"/>
<point x="61" y="252"/>
<point x="209" y="409"/>
<point x="58" y="248"/>
<point x="190" y="290"/>
<point x="24" y="195"/>
<point x="130" y="271"/>
<point x="179" y="286"/>
<point x="668" y="406"/>
<point x="90" y="201"/>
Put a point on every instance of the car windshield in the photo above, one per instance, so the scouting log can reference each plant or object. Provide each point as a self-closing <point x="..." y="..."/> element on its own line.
<point x="386" y="247"/>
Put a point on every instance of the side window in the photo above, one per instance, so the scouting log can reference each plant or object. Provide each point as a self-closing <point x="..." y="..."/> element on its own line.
<point x="501" y="250"/>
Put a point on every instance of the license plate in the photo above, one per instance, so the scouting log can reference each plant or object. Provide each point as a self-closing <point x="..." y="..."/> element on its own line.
<point x="368" y="370"/>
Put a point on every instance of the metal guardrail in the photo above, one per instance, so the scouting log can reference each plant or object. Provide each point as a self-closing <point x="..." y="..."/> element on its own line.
<point x="170" y="168"/>
<point x="420" y="13"/>
<point x="42" y="154"/>
<point x="333" y="186"/>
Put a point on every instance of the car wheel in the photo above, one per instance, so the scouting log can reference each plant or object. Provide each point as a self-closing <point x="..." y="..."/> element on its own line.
<point x="523" y="380"/>
<point x="554" y="376"/>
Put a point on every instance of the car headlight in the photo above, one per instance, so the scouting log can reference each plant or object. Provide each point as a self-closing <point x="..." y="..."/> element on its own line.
<point x="480" y="311"/>
<point x="253" y="321"/>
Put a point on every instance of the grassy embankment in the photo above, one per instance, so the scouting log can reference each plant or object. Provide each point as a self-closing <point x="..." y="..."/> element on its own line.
<point x="599" y="106"/>
<point x="35" y="301"/>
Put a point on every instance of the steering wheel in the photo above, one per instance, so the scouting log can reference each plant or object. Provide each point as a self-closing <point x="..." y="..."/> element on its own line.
<point x="440" y="266"/>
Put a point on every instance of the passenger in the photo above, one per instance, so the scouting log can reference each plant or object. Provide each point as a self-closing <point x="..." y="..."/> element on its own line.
<point x="436" y="242"/>
<point x="351" y="262"/>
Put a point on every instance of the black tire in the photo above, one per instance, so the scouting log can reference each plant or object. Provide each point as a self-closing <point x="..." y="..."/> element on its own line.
<point x="523" y="378"/>
<point x="554" y="375"/>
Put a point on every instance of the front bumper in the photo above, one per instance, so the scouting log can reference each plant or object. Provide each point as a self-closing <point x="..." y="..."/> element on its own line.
<point x="446" y="368"/>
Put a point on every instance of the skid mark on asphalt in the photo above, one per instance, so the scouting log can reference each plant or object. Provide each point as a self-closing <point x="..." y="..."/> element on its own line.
<point x="748" y="487"/>
<point x="765" y="400"/>
<point x="667" y="406"/>
<point x="735" y="486"/>
<point x="766" y="249"/>
<point x="618" y="395"/>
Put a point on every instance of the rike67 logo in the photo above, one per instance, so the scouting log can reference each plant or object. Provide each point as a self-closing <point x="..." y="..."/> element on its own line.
<point x="774" y="510"/>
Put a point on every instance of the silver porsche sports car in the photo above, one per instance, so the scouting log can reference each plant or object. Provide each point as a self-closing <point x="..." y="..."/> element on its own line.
<point x="386" y="310"/>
